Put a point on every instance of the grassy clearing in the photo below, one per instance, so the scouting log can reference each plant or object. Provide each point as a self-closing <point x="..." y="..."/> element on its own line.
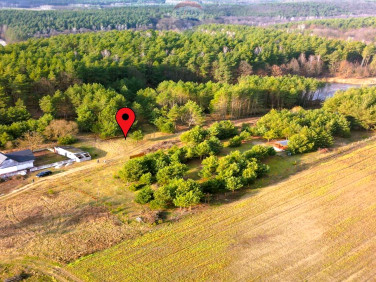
<point x="315" y="225"/>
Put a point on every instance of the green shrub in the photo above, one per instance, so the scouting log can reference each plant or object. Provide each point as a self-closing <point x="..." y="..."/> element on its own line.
<point x="235" y="141"/>
<point x="168" y="173"/>
<point x="194" y="136"/>
<point x="358" y="104"/>
<point x="245" y="135"/>
<point x="209" y="166"/>
<point x="155" y="205"/>
<point x="146" y="178"/>
<point x="188" y="193"/>
<point x="215" y="145"/>
<point x="164" y="125"/>
<point x="260" y="152"/>
<point x="67" y="140"/>
<point x="223" y="129"/>
<point x="133" y="170"/>
<point x="164" y="195"/>
<point x="309" y="140"/>
<point x="234" y="183"/>
<point x="136" y="135"/>
<point x="145" y="195"/>
<point x="300" y="143"/>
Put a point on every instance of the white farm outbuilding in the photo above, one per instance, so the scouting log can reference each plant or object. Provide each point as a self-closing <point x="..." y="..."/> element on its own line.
<point x="16" y="161"/>
<point x="73" y="153"/>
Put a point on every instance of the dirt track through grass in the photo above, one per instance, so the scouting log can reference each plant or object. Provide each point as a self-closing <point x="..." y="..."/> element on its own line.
<point x="320" y="224"/>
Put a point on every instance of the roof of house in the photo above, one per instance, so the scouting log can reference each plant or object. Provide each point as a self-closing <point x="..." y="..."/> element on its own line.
<point x="19" y="156"/>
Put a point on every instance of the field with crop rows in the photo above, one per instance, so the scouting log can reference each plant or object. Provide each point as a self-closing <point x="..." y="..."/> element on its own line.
<point x="319" y="224"/>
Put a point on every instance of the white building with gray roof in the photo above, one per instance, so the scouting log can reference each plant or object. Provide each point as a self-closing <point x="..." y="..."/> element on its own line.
<point x="16" y="161"/>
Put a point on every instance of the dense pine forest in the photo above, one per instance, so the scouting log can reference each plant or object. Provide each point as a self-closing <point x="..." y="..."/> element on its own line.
<point x="87" y="77"/>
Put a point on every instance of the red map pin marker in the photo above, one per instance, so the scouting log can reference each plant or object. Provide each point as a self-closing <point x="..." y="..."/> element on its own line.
<point x="125" y="118"/>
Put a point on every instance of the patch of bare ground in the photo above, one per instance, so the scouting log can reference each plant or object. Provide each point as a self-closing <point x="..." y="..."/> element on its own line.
<point x="323" y="227"/>
<point x="59" y="225"/>
<point x="11" y="184"/>
<point x="78" y="211"/>
<point x="73" y="213"/>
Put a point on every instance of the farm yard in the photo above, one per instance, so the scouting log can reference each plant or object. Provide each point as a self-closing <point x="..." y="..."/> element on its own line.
<point x="47" y="157"/>
<point x="310" y="226"/>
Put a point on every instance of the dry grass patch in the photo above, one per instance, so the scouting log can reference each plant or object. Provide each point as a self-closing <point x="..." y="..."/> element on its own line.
<point x="288" y="231"/>
<point x="78" y="211"/>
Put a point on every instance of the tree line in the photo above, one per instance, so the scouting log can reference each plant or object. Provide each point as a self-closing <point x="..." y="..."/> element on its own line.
<point x="20" y="25"/>
<point x="170" y="105"/>
<point x="161" y="180"/>
<point x="306" y="130"/>
<point x="357" y="104"/>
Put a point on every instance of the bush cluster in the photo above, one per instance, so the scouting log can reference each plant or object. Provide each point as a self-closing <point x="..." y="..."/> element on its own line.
<point x="232" y="172"/>
<point x="307" y="130"/>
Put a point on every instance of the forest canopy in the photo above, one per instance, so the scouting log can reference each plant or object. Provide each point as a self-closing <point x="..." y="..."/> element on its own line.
<point x="86" y="77"/>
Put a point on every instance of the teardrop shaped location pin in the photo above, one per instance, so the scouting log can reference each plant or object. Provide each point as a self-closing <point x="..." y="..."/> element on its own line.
<point x="125" y="117"/>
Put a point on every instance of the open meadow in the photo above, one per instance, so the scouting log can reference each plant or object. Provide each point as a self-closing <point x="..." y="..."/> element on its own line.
<point x="318" y="224"/>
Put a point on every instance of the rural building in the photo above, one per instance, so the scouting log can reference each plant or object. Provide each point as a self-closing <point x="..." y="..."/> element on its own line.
<point x="16" y="161"/>
<point x="280" y="146"/>
<point x="73" y="153"/>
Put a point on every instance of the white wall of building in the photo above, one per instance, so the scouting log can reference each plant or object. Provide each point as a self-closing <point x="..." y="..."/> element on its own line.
<point x="78" y="157"/>
<point x="13" y="166"/>
<point x="65" y="153"/>
<point x="8" y="166"/>
<point x="25" y="165"/>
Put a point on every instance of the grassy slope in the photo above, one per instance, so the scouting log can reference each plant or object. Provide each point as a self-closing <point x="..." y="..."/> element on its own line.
<point x="78" y="210"/>
<point x="318" y="224"/>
